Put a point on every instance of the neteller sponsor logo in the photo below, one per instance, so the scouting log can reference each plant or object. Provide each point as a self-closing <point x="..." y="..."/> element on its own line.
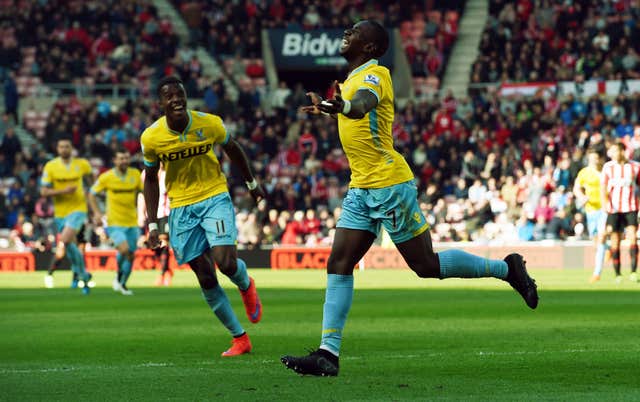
<point x="185" y="153"/>
<point x="297" y="44"/>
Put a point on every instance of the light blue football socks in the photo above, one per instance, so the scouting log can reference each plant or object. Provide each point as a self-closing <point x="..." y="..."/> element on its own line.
<point x="241" y="277"/>
<point x="337" y="303"/>
<point x="217" y="299"/>
<point x="125" y="270"/>
<point x="600" y="250"/>
<point x="77" y="261"/>
<point x="460" y="264"/>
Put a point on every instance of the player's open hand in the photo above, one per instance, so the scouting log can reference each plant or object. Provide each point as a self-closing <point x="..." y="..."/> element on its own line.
<point x="153" y="239"/>
<point x="315" y="101"/>
<point x="97" y="218"/>
<point x="258" y="194"/>
<point x="335" y="105"/>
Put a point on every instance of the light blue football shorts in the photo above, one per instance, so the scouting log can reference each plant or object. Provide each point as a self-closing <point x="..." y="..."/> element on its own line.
<point x="396" y="207"/>
<point x="74" y="220"/>
<point x="120" y="234"/>
<point x="596" y="222"/>
<point x="195" y="228"/>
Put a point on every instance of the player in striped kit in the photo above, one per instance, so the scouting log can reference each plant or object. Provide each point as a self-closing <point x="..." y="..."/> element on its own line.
<point x="161" y="252"/>
<point x="620" y="179"/>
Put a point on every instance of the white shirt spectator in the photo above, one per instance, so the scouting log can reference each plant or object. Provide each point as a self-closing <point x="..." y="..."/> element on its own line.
<point x="477" y="192"/>
<point x="601" y="41"/>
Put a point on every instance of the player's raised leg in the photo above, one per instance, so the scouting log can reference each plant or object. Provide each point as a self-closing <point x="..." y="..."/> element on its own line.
<point x="236" y="269"/>
<point x="217" y="299"/>
<point x="453" y="263"/>
<point x="219" y="226"/>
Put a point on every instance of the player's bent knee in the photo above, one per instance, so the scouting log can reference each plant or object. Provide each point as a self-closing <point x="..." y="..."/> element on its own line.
<point x="425" y="269"/>
<point x="425" y="272"/>
<point x="339" y="266"/>
<point x="228" y="266"/>
<point x="206" y="281"/>
<point x="124" y="250"/>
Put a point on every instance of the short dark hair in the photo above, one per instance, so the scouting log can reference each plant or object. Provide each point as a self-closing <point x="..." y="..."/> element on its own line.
<point x="380" y="38"/>
<point x="621" y="145"/>
<point x="168" y="80"/>
<point x="65" y="137"/>
<point x="120" y="149"/>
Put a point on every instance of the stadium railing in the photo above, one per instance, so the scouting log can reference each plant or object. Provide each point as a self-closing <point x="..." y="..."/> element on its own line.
<point x="115" y="91"/>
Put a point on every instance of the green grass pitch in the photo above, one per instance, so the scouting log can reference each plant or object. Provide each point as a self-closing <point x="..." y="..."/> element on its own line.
<point x="406" y="339"/>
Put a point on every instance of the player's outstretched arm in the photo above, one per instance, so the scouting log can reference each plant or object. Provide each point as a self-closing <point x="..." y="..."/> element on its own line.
<point x="151" y="193"/>
<point x="362" y="103"/>
<point x="235" y="152"/>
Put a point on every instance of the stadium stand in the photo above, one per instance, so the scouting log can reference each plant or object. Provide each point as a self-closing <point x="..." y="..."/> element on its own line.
<point x="490" y="168"/>
<point x="548" y="41"/>
<point x="233" y="35"/>
<point x="91" y="43"/>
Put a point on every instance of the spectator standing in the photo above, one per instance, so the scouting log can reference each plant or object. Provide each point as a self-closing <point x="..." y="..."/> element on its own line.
<point x="11" y="96"/>
<point x="10" y="147"/>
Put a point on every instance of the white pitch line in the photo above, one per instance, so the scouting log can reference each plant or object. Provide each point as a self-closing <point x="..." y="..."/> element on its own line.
<point x="8" y="370"/>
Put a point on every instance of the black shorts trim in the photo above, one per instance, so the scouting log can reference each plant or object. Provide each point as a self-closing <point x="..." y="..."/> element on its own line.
<point x="619" y="221"/>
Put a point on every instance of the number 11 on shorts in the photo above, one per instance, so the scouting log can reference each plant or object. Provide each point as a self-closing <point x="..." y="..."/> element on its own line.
<point x="220" y="227"/>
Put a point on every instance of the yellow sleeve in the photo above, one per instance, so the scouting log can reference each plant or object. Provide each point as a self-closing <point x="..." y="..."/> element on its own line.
<point x="46" y="179"/>
<point x="86" y="167"/>
<point x="579" y="177"/>
<point x="100" y="185"/>
<point x="373" y="82"/>
<point x="218" y="130"/>
<point x="148" y="153"/>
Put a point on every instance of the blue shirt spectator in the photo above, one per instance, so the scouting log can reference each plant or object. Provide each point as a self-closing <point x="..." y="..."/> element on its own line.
<point x="104" y="108"/>
<point x="624" y="129"/>
<point x="579" y="108"/>
<point x="114" y="131"/>
<point x="211" y="99"/>
<point x="566" y="115"/>
<point x="525" y="231"/>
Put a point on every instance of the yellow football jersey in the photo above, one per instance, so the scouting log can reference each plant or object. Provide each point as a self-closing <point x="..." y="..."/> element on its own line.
<point x="58" y="175"/>
<point x="589" y="179"/>
<point x="368" y="142"/>
<point x="192" y="169"/>
<point x="122" y="196"/>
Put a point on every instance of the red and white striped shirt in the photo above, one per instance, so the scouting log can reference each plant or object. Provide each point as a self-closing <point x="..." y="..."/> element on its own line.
<point x="620" y="181"/>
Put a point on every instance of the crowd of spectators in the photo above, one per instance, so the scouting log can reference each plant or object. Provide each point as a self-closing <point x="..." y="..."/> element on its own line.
<point x="547" y="40"/>
<point x="488" y="167"/>
<point x="94" y="42"/>
<point x="232" y="30"/>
